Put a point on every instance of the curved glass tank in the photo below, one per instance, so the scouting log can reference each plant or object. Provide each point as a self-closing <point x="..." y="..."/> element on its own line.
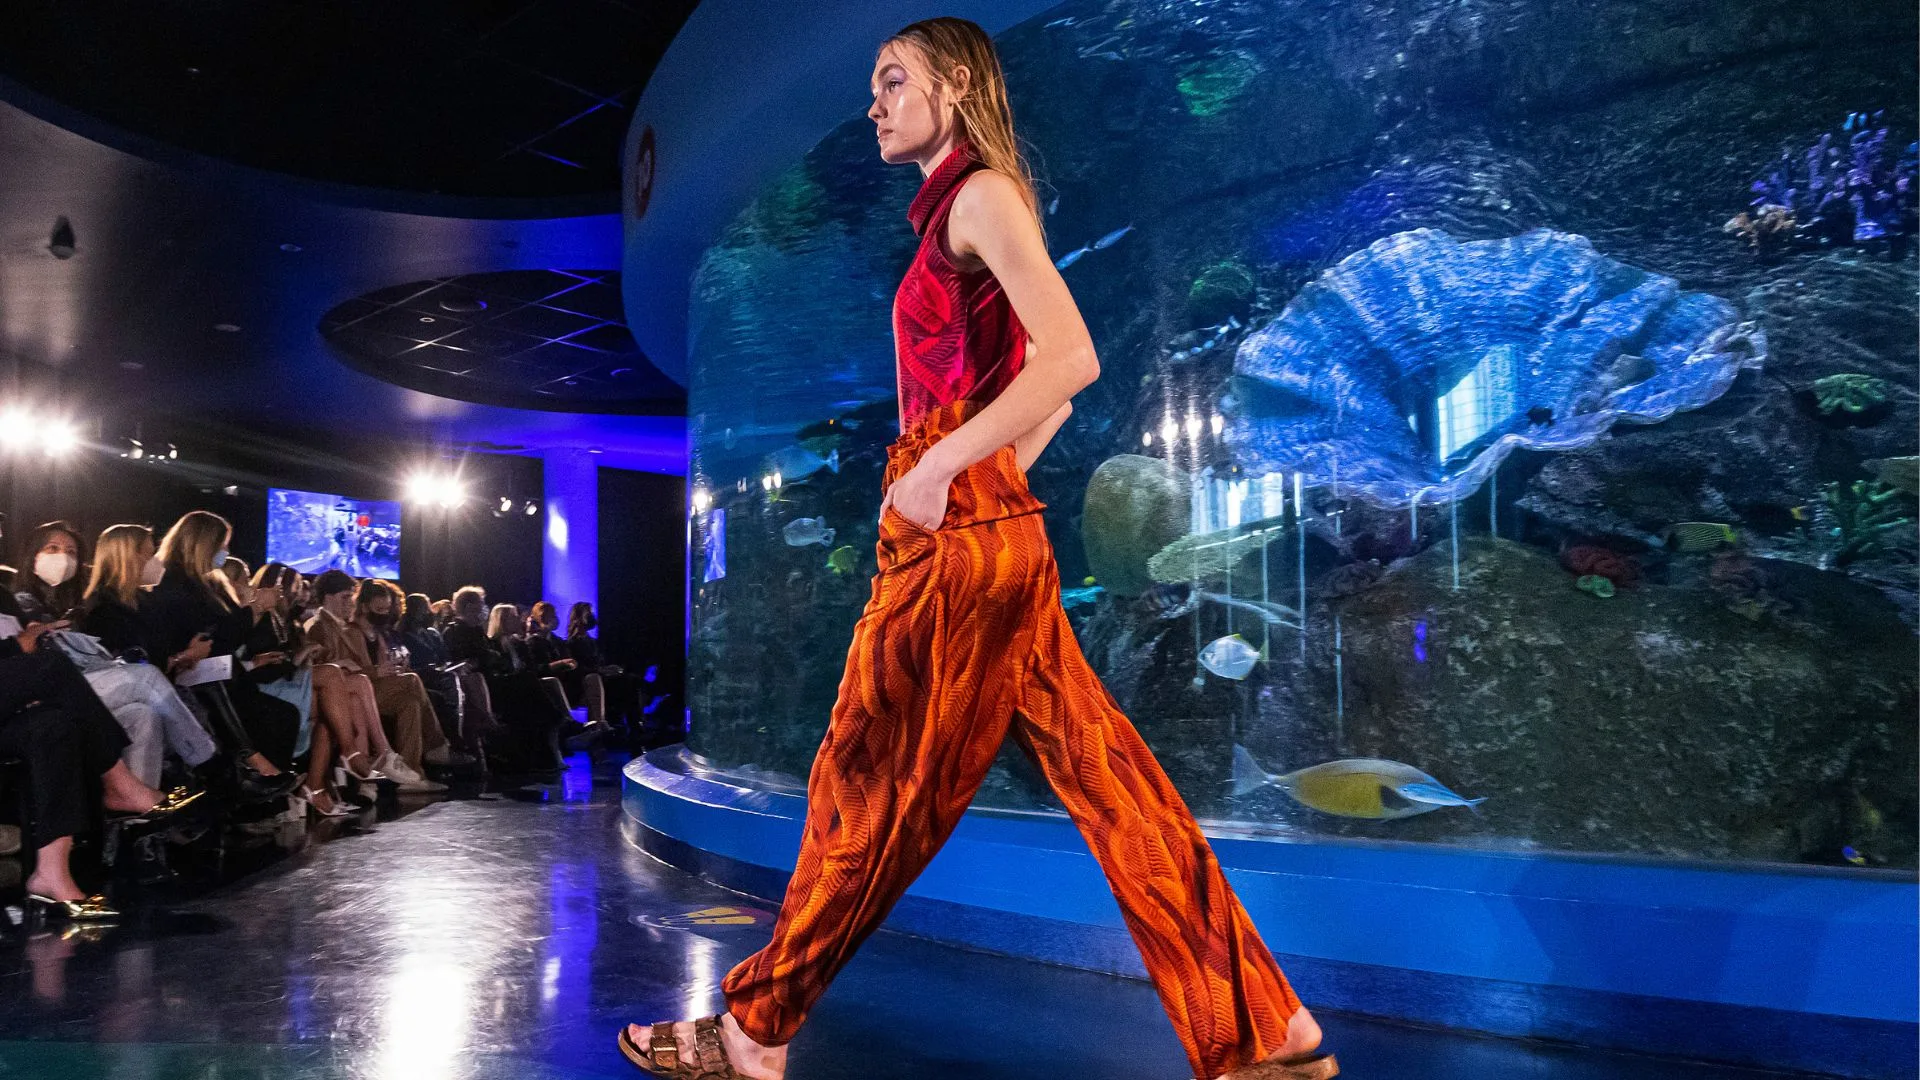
<point x="1506" y="433"/>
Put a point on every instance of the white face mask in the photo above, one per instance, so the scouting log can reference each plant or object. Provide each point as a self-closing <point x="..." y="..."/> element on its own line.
<point x="151" y="573"/>
<point x="55" y="568"/>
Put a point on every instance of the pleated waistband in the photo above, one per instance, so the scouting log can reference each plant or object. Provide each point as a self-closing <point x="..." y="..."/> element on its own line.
<point x="988" y="490"/>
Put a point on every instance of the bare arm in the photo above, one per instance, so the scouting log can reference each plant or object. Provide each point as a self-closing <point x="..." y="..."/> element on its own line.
<point x="990" y="221"/>
<point x="1027" y="448"/>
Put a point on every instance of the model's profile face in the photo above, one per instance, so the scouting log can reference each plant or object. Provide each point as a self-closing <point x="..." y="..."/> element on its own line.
<point x="911" y="113"/>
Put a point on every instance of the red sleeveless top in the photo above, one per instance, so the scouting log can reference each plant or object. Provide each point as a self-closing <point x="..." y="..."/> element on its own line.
<point x="955" y="334"/>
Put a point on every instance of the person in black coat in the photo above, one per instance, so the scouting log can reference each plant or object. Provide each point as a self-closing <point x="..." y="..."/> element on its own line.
<point x="191" y="601"/>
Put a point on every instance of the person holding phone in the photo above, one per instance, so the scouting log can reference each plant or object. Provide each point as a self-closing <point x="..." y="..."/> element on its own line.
<point x="192" y="615"/>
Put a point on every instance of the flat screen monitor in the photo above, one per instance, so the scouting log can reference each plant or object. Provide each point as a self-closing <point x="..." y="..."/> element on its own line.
<point x="312" y="531"/>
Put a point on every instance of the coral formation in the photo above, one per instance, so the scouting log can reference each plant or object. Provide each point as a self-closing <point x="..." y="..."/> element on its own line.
<point x="1847" y="190"/>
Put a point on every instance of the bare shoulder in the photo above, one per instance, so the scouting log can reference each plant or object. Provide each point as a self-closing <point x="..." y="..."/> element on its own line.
<point x="987" y="195"/>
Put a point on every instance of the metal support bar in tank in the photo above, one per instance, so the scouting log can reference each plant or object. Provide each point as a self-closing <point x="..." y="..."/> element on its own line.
<point x="1456" y="545"/>
<point x="1339" y="688"/>
<point x="1300" y="525"/>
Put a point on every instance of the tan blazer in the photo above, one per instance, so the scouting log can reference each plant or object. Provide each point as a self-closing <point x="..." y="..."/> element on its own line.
<point x="339" y="643"/>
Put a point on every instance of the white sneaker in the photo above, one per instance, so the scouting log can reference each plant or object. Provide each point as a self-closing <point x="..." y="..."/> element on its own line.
<point x="395" y="769"/>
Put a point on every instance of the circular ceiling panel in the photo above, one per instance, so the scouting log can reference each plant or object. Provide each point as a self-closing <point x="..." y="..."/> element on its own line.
<point x="525" y="339"/>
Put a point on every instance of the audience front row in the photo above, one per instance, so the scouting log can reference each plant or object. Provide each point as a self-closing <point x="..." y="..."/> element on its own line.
<point x="168" y="661"/>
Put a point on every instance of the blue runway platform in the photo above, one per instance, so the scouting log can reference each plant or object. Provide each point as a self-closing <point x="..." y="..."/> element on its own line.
<point x="1779" y="967"/>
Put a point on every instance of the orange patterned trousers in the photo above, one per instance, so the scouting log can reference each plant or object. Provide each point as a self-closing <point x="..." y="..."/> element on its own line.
<point x="963" y="640"/>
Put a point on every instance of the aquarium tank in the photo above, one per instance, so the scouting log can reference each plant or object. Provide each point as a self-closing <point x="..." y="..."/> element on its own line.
<point x="1505" y="435"/>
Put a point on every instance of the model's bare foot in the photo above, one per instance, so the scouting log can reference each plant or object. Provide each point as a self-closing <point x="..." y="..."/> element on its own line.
<point x="1303" y="1037"/>
<point x="749" y="1058"/>
<point x="123" y="794"/>
<point x="54" y="883"/>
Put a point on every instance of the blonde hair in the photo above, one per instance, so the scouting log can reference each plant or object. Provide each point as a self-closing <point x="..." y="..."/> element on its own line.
<point x="117" y="563"/>
<point x="501" y="620"/>
<point x="189" y="547"/>
<point x="986" y="117"/>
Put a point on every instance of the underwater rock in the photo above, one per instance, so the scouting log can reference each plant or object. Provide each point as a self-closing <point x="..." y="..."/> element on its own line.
<point x="1350" y="579"/>
<point x="1900" y="473"/>
<point x="1408" y="369"/>
<point x="1657" y="723"/>
<point x="1134" y="507"/>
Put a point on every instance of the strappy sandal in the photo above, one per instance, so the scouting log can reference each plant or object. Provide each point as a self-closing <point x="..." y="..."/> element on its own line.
<point x="662" y="1056"/>
<point x="1313" y="1067"/>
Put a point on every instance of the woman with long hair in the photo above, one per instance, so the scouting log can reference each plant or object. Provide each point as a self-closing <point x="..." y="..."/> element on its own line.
<point x="140" y="696"/>
<point x="192" y="611"/>
<point x="990" y="348"/>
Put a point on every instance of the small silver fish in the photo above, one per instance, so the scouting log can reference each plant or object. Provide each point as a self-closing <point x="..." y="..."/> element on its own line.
<point x="803" y="531"/>
<point x="1101" y="244"/>
<point x="1373" y="789"/>
<point x="1229" y="657"/>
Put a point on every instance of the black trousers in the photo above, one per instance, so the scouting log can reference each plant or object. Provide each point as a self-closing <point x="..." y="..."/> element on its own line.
<point x="53" y="722"/>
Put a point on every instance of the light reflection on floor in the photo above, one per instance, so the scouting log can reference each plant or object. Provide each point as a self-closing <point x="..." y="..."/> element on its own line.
<point x="505" y="939"/>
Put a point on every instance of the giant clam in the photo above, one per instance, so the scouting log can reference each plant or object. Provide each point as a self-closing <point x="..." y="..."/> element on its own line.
<point x="1410" y="369"/>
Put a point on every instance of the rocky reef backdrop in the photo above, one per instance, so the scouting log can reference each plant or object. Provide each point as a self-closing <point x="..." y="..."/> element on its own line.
<point x="1525" y="391"/>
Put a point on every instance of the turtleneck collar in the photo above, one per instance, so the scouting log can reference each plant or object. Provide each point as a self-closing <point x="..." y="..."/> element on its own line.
<point x="938" y="183"/>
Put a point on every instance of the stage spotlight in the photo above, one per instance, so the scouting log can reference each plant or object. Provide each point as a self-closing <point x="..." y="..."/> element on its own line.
<point x="1217" y="422"/>
<point x="531" y="508"/>
<point x="506" y="504"/>
<point x="60" y="438"/>
<point x="134" y="451"/>
<point x="16" y="428"/>
<point x="173" y="452"/>
<point x="1146" y="438"/>
<point x="1169" y="431"/>
<point x="1193" y="427"/>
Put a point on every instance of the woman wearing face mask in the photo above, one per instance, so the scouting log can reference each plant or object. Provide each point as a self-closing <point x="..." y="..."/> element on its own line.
<point x="194" y="601"/>
<point x="964" y="643"/>
<point x="51" y="587"/>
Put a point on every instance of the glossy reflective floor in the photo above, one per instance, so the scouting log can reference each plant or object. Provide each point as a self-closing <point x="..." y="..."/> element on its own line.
<point x="508" y="939"/>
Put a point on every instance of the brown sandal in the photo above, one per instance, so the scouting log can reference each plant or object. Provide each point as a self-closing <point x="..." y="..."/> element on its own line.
<point x="662" y="1056"/>
<point x="1316" y="1067"/>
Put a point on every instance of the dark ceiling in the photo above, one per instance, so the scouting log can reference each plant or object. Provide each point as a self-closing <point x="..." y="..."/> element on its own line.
<point x="486" y="98"/>
<point x="529" y="339"/>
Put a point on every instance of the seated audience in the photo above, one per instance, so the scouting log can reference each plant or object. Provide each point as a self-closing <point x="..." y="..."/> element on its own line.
<point x="547" y="652"/>
<point x="533" y="711"/>
<point x="401" y="701"/>
<point x="53" y="723"/>
<point x="192" y="604"/>
<point x="140" y="696"/>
